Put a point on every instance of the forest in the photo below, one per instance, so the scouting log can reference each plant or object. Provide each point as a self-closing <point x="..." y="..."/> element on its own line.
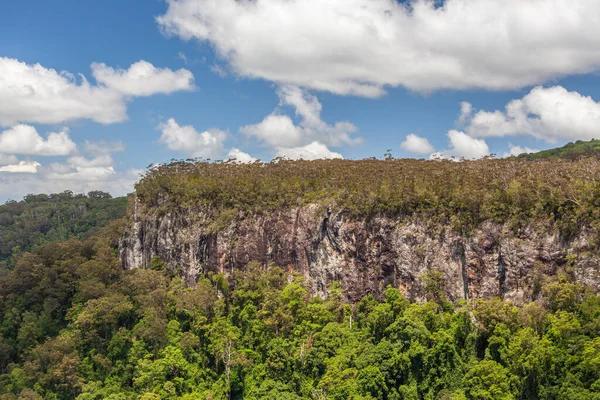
<point x="43" y="218"/>
<point x="75" y="325"/>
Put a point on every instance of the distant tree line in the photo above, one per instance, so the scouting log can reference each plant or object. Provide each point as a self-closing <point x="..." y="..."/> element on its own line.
<point x="572" y="151"/>
<point x="64" y="196"/>
<point x="43" y="218"/>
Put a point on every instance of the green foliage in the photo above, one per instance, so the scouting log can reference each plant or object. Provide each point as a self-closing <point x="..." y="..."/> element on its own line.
<point x="74" y="325"/>
<point x="571" y="151"/>
<point x="488" y="380"/>
<point x="460" y="195"/>
<point x="40" y="219"/>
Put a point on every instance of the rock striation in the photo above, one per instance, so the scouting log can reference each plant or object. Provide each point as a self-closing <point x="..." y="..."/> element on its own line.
<point x="363" y="254"/>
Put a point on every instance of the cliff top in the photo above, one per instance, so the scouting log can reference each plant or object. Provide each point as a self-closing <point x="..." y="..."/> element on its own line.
<point x="462" y="193"/>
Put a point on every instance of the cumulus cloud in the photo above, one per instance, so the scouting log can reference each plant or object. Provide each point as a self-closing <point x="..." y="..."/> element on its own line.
<point x="416" y="145"/>
<point x="29" y="167"/>
<point x="96" y="169"/>
<point x="463" y="146"/>
<point x="58" y="177"/>
<point x="103" y="147"/>
<point x="33" y="93"/>
<point x="359" y="47"/>
<point x="8" y="159"/>
<point x="77" y="173"/>
<point x="280" y="131"/>
<point x="275" y="130"/>
<point x="219" y="70"/>
<point x="104" y="161"/>
<point x="72" y="172"/>
<point x="24" y="139"/>
<point x="186" y="140"/>
<point x="547" y="113"/>
<point x="311" y="151"/>
<point x="143" y="79"/>
<point x="466" y="113"/>
<point x="36" y="94"/>
<point x="240" y="156"/>
<point x="517" y="150"/>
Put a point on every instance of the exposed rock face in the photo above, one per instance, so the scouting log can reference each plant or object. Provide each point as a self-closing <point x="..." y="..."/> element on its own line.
<point x="363" y="255"/>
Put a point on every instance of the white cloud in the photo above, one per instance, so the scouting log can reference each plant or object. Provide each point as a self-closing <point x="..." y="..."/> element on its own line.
<point x="82" y="162"/>
<point x="35" y="94"/>
<point x="275" y="130"/>
<point x="219" y="70"/>
<point x="143" y="79"/>
<point x="280" y="131"/>
<point x="311" y="151"/>
<point x="57" y="177"/>
<point x="466" y="113"/>
<point x="360" y="46"/>
<point x="463" y="146"/>
<point x="240" y="156"/>
<point x="29" y="167"/>
<point x="24" y="139"/>
<point x="417" y="145"/>
<point x="103" y="147"/>
<point x="76" y="173"/>
<point x="185" y="139"/>
<point x="8" y="159"/>
<point x="96" y="168"/>
<point x="517" y="150"/>
<point x="79" y="168"/>
<point x="32" y="93"/>
<point x="546" y="113"/>
<point x="88" y="173"/>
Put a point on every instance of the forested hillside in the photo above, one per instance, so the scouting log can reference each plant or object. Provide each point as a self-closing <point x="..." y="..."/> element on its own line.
<point x="75" y="325"/>
<point x="42" y="218"/>
<point x="570" y="151"/>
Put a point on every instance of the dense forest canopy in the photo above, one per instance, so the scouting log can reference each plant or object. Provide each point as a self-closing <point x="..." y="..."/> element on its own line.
<point x="75" y="325"/>
<point x="44" y="218"/>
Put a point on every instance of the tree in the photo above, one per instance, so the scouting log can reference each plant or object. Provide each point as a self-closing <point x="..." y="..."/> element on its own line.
<point x="488" y="380"/>
<point x="223" y="339"/>
<point x="97" y="194"/>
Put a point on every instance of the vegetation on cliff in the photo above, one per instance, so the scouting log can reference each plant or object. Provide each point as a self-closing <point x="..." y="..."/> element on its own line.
<point x="571" y="151"/>
<point x="75" y="325"/>
<point x="462" y="194"/>
<point x="39" y="219"/>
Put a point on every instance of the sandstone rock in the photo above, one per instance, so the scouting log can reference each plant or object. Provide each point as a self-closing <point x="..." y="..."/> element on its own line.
<point x="364" y="255"/>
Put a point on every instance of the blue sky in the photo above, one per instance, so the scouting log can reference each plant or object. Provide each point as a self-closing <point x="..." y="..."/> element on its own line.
<point x="274" y="78"/>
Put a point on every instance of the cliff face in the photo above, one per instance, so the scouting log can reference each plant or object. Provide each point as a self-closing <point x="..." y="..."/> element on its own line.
<point x="364" y="255"/>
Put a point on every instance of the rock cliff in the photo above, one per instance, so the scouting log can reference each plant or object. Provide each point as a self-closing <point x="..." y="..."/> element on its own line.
<point x="364" y="255"/>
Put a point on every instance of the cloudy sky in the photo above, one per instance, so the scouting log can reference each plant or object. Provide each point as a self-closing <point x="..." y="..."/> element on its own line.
<point x="91" y="93"/>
